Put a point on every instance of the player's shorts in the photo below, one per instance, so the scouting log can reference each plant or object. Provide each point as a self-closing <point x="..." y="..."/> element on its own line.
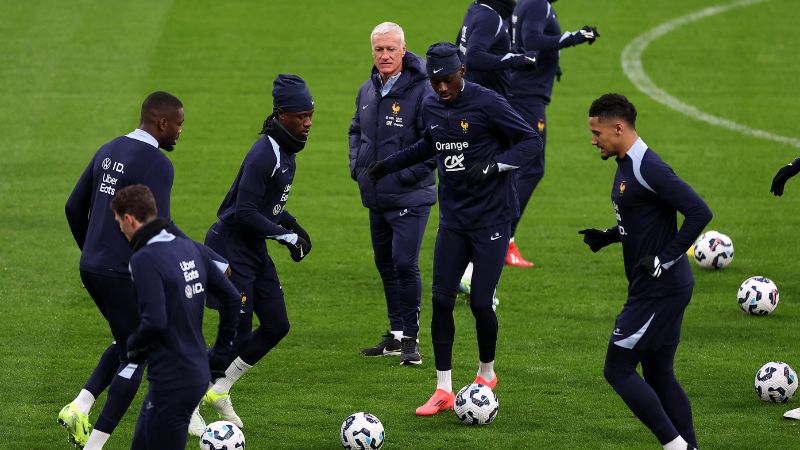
<point x="651" y="323"/>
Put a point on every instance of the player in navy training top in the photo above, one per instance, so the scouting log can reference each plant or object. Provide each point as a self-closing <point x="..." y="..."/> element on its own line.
<point x="535" y="29"/>
<point x="646" y="196"/>
<point x="388" y="117"/>
<point x="478" y="140"/>
<point x="252" y="211"/>
<point x="130" y="159"/>
<point x="486" y="45"/>
<point x="171" y="275"/>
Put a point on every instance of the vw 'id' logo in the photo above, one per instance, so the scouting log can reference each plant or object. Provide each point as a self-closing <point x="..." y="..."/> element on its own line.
<point x="106" y="163"/>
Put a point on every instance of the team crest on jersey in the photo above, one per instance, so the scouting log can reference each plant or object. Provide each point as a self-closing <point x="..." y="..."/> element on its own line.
<point x="395" y="108"/>
<point x="464" y="126"/>
<point x="540" y="125"/>
<point x="244" y="299"/>
<point x="622" y="187"/>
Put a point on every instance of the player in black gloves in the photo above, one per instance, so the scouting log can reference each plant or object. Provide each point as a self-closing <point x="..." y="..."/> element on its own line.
<point x="597" y="239"/>
<point x="783" y="175"/>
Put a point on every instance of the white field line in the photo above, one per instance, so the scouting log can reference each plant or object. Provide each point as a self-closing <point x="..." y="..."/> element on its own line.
<point x="632" y="66"/>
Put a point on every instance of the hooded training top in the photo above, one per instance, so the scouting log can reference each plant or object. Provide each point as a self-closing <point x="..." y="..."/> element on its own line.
<point x="383" y="125"/>
<point x="646" y="196"/>
<point x="535" y="28"/>
<point x="171" y="276"/>
<point x="126" y="160"/>
<point x="478" y="126"/>
<point x="484" y="40"/>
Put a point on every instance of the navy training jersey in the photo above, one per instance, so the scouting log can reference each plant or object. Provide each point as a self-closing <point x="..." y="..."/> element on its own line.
<point x="484" y="41"/>
<point x="646" y="196"/>
<point x="126" y="160"/>
<point x="535" y="28"/>
<point x="171" y="276"/>
<point x="478" y="126"/>
<point x="256" y="200"/>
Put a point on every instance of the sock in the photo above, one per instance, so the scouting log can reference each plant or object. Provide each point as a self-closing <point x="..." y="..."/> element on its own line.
<point x="84" y="401"/>
<point x="96" y="440"/>
<point x="486" y="370"/>
<point x="467" y="272"/>
<point x="444" y="381"/>
<point x="397" y="334"/>
<point x="676" y="444"/>
<point x="232" y="374"/>
<point x="511" y="241"/>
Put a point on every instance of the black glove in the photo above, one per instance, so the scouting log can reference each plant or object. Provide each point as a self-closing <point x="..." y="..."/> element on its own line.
<point x="479" y="173"/>
<point x="590" y="33"/>
<point x="295" y="227"/>
<point x="559" y="73"/>
<point x="522" y="62"/>
<point x="783" y="175"/>
<point x="586" y="34"/>
<point x="137" y="355"/>
<point x="377" y="170"/>
<point x="299" y="249"/>
<point x="597" y="239"/>
<point x="217" y="364"/>
<point x="651" y="265"/>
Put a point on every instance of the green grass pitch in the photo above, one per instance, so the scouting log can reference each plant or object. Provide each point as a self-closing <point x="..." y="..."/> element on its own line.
<point x="73" y="74"/>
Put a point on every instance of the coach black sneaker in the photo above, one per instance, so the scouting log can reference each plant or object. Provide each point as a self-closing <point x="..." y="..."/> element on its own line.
<point x="389" y="346"/>
<point x="409" y="351"/>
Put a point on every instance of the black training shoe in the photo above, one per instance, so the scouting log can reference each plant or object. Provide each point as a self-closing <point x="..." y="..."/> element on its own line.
<point x="389" y="346"/>
<point x="409" y="353"/>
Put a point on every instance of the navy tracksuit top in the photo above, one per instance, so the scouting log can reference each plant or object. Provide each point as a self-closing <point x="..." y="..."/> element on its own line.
<point x="484" y="41"/>
<point x="119" y="163"/>
<point x="254" y="205"/>
<point x="478" y="126"/>
<point x="171" y="276"/>
<point x="535" y="28"/>
<point x="382" y="126"/>
<point x="646" y="196"/>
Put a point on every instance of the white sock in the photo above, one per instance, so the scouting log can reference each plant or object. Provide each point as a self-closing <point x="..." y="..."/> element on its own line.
<point x="444" y="381"/>
<point x="486" y="370"/>
<point x="397" y="334"/>
<point x="511" y="241"/>
<point x="232" y="374"/>
<point x="96" y="440"/>
<point x="84" y="401"/>
<point x="676" y="444"/>
<point x="467" y="272"/>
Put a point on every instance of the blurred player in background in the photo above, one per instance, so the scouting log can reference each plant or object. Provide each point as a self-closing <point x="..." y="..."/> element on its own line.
<point x="535" y="30"/>
<point x="646" y="195"/>
<point x="130" y="159"/>
<point x="252" y="211"/>
<point x="478" y="140"/>
<point x="388" y="117"/>
<point x="171" y="276"/>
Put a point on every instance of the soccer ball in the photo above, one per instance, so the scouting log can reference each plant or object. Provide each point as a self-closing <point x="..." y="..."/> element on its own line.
<point x="362" y="431"/>
<point x="758" y="296"/>
<point x="713" y="250"/>
<point x="476" y="404"/>
<point x="776" y="382"/>
<point x="222" y="435"/>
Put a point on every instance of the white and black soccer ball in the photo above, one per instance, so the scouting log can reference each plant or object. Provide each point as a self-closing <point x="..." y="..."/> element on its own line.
<point x="758" y="296"/>
<point x="713" y="250"/>
<point x="362" y="431"/>
<point x="222" y="435"/>
<point x="476" y="404"/>
<point x="776" y="382"/>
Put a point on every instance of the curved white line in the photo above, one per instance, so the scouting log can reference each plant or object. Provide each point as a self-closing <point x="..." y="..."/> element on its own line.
<point x="632" y="66"/>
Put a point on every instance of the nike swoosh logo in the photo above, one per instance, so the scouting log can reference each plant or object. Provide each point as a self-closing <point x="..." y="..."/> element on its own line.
<point x="434" y="126"/>
<point x="364" y="107"/>
<point x="486" y="170"/>
<point x="438" y="70"/>
<point x="494" y="238"/>
<point x="404" y="212"/>
<point x="284" y="170"/>
<point x="616" y="334"/>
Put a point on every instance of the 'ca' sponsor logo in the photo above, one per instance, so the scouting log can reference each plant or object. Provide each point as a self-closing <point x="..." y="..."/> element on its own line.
<point x="277" y="209"/>
<point x="106" y="163"/>
<point x="454" y="163"/>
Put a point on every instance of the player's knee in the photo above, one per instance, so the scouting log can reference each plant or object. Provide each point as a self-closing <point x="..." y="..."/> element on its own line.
<point x="615" y="373"/>
<point x="406" y="268"/>
<point x="443" y="302"/>
<point x="482" y="310"/>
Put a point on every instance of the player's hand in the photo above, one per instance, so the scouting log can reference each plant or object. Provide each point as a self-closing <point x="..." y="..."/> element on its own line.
<point x="783" y="175"/>
<point x="479" y="173"/>
<point x="296" y="228"/>
<point x="597" y="239"/>
<point x="217" y="364"/>
<point x="299" y="250"/>
<point x="137" y="355"/>
<point x="559" y="73"/>
<point x="589" y="33"/>
<point x="377" y="170"/>
<point x="586" y="34"/>
<point x="651" y="265"/>
<point x="523" y="62"/>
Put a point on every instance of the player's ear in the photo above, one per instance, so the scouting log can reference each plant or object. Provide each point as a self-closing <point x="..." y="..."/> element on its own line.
<point x="162" y="123"/>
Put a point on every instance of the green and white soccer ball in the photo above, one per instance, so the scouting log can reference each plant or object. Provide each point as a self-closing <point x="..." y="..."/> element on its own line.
<point x="713" y="250"/>
<point x="776" y="382"/>
<point x="758" y="296"/>
<point x="362" y="431"/>
<point x="222" y="435"/>
<point x="476" y="404"/>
